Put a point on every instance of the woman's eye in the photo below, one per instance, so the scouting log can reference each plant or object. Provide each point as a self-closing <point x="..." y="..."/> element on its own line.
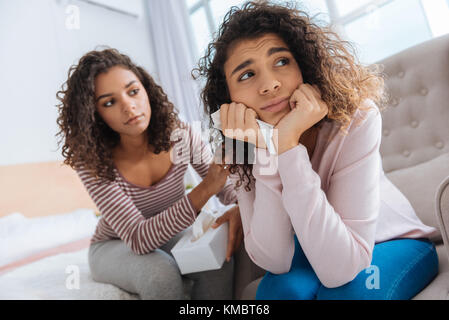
<point x="246" y="76"/>
<point x="134" y="92"/>
<point x="282" y="62"/>
<point x="108" y="103"/>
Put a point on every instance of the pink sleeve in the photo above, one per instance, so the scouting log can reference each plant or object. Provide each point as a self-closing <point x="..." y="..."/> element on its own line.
<point x="268" y="232"/>
<point x="336" y="230"/>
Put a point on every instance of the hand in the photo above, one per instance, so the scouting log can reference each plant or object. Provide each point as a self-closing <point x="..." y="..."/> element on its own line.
<point x="235" y="231"/>
<point x="212" y="183"/>
<point x="215" y="178"/>
<point x="307" y="109"/>
<point x="239" y="122"/>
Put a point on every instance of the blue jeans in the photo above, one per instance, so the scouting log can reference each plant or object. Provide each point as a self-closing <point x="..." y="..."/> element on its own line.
<point x="399" y="270"/>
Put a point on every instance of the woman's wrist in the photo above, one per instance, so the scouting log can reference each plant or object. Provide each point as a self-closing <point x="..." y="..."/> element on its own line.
<point x="200" y="195"/>
<point x="286" y="144"/>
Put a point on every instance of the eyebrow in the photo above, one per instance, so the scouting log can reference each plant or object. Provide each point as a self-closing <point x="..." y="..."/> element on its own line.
<point x="110" y="94"/>
<point x="270" y="52"/>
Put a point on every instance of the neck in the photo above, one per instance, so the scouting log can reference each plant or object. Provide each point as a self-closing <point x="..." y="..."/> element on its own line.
<point x="134" y="147"/>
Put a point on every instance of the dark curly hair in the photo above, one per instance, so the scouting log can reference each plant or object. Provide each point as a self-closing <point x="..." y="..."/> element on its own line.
<point x="87" y="140"/>
<point x="324" y="59"/>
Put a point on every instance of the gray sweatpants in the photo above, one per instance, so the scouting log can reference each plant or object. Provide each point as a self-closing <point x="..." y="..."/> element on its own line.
<point x="156" y="275"/>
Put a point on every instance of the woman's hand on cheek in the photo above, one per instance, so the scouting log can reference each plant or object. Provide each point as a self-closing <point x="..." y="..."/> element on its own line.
<point x="307" y="108"/>
<point x="239" y="122"/>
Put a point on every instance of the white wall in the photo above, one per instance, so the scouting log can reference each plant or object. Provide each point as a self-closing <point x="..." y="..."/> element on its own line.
<point x="37" y="47"/>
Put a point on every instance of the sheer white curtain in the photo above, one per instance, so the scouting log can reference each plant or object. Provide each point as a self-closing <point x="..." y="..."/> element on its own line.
<point x="173" y="52"/>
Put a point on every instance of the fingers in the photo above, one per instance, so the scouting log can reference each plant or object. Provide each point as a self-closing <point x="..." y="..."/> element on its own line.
<point x="240" y="111"/>
<point x="239" y="122"/>
<point x="229" y="123"/>
<point x="221" y="219"/>
<point x="309" y="97"/>
<point x="218" y="172"/>
<point x="217" y="223"/>
<point x="235" y="231"/>
<point x="231" y="244"/>
<point x="235" y="239"/>
<point x="250" y="118"/>
<point x="317" y="90"/>
<point x="298" y="98"/>
<point x="317" y="94"/>
<point x="224" y="115"/>
<point x="231" y="234"/>
<point x="237" y="116"/>
<point x="324" y="106"/>
<point x="309" y="92"/>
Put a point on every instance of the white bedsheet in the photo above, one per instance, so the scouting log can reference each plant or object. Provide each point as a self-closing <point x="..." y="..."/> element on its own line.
<point x="21" y="237"/>
<point x="57" y="278"/>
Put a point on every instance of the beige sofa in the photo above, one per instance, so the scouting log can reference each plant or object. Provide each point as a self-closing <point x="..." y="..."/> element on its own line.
<point x="414" y="149"/>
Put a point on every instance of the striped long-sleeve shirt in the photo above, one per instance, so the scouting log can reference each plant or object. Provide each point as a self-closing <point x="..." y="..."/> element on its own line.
<point x="147" y="217"/>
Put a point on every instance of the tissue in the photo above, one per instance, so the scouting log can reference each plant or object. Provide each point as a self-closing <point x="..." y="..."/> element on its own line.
<point x="202" y="223"/>
<point x="265" y="128"/>
<point x="202" y="248"/>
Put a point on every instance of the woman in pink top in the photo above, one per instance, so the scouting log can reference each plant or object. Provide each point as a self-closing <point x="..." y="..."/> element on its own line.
<point x="124" y="138"/>
<point x="319" y="215"/>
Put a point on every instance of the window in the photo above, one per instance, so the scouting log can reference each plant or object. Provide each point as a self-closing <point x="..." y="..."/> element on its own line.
<point x="205" y="17"/>
<point x="131" y="8"/>
<point x="378" y="28"/>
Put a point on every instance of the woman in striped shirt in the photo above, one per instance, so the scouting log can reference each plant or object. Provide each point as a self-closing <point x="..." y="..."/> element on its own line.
<point x="130" y="150"/>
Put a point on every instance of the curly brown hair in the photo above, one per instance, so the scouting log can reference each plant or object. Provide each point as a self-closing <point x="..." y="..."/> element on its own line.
<point x="87" y="140"/>
<point x="324" y="59"/>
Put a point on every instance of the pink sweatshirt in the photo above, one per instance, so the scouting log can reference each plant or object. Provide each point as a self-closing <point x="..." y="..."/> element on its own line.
<point x="339" y="203"/>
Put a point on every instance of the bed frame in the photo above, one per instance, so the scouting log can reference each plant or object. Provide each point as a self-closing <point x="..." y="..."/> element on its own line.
<point x="41" y="189"/>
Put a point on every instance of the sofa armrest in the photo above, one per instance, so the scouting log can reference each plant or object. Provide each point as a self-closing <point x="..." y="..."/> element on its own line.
<point x="442" y="211"/>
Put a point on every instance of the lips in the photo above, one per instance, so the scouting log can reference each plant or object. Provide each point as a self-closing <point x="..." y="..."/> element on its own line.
<point x="275" y="104"/>
<point x="133" y="119"/>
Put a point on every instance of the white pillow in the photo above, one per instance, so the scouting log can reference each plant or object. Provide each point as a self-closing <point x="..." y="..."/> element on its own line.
<point x="21" y="236"/>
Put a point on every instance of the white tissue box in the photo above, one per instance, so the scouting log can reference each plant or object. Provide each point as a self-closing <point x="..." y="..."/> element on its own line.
<point x="206" y="253"/>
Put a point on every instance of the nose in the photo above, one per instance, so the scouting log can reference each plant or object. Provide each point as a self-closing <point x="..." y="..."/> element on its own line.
<point x="270" y="85"/>
<point x="128" y="105"/>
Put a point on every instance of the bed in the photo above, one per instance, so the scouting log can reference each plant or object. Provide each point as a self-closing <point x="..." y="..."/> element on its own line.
<point x="46" y="221"/>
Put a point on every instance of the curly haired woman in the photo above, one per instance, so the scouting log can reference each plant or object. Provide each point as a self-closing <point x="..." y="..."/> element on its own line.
<point x="326" y="223"/>
<point x="130" y="150"/>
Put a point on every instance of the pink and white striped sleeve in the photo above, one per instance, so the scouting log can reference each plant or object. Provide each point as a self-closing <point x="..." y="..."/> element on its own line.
<point x="201" y="159"/>
<point x="140" y="234"/>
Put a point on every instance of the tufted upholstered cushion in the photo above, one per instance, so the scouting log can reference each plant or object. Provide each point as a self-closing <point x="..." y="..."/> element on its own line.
<point x="419" y="184"/>
<point x="416" y="121"/>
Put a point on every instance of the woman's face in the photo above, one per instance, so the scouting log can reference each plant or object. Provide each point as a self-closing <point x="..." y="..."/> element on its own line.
<point x="262" y="74"/>
<point x="122" y="101"/>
